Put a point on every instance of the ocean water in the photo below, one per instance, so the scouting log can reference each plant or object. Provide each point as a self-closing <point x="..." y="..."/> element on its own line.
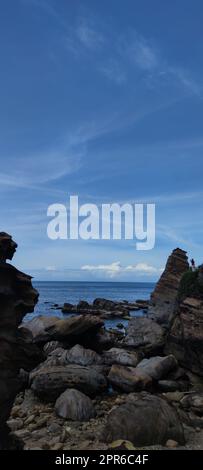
<point x="51" y="293"/>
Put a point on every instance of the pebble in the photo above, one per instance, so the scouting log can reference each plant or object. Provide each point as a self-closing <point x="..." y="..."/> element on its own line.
<point x="171" y="444"/>
<point x="57" y="446"/>
<point x="15" y="424"/>
<point x="54" y="428"/>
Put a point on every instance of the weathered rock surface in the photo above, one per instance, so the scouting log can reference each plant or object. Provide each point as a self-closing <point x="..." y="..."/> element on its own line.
<point x="185" y="339"/>
<point x="50" y="346"/>
<point x="74" y="329"/>
<point x="17" y="297"/>
<point x="144" y="420"/>
<point x="163" y="301"/>
<point x="49" y="382"/>
<point x="120" y="356"/>
<point x="129" y="379"/>
<point x="76" y="355"/>
<point x="82" y="356"/>
<point x="74" y="405"/>
<point x="193" y="401"/>
<point x="157" y="367"/>
<point x="144" y="334"/>
<point x="38" y="326"/>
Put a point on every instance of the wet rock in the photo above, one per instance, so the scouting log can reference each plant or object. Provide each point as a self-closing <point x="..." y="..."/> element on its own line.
<point x="83" y="305"/>
<point x="144" y="420"/>
<point x="75" y="406"/>
<point x="158" y="367"/>
<point x="69" y="308"/>
<point x="120" y="356"/>
<point x="104" y="304"/>
<point x="128" y="379"/>
<point x="49" y="382"/>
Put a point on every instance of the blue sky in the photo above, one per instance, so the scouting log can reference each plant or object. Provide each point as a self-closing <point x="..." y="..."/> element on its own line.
<point x="103" y="100"/>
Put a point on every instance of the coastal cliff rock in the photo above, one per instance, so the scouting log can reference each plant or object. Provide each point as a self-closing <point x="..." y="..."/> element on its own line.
<point x="17" y="297"/>
<point x="185" y="339"/>
<point x="163" y="301"/>
<point x="144" y="419"/>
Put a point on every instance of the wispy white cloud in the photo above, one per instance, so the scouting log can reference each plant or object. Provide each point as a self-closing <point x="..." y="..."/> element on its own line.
<point x="88" y="34"/>
<point x="115" y="269"/>
<point x="114" y="71"/>
<point x="142" y="53"/>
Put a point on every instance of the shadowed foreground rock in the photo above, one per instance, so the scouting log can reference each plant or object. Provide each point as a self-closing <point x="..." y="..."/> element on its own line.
<point x="74" y="405"/>
<point x="144" y="334"/>
<point x="49" y="382"/>
<point x="144" y="420"/>
<point x="185" y="338"/>
<point x="17" y="297"/>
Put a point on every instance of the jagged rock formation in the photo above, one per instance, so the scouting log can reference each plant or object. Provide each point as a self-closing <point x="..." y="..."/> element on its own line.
<point x="163" y="301"/>
<point x="17" y="297"/>
<point x="185" y="339"/>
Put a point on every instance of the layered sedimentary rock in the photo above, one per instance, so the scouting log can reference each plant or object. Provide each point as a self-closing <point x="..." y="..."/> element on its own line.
<point x="17" y="297"/>
<point x="185" y="338"/>
<point x="163" y="301"/>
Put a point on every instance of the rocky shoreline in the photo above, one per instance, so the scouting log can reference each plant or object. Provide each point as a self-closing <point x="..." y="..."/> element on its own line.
<point x="81" y="386"/>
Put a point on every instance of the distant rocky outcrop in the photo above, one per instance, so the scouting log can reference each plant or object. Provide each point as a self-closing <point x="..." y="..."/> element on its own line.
<point x="163" y="301"/>
<point x="17" y="297"/>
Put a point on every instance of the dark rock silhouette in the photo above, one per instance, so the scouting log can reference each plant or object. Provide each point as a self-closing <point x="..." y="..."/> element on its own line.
<point x="17" y="297"/>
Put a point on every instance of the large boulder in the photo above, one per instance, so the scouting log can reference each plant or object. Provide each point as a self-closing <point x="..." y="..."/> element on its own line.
<point x="120" y="356"/>
<point x="129" y="379"/>
<point x="144" y="420"/>
<point x="185" y="338"/>
<point x="75" y="406"/>
<point x="163" y="302"/>
<point x="48" y="382"/>
<point x="157" y="367"/>
<point x="38" y="327"/>
<point x="144" y="334"/>
<point x="72" y="329"/>
<point x="82" y="356"/>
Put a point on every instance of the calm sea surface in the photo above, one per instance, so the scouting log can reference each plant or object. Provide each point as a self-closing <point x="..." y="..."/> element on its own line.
<point x="60" y="292"/>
